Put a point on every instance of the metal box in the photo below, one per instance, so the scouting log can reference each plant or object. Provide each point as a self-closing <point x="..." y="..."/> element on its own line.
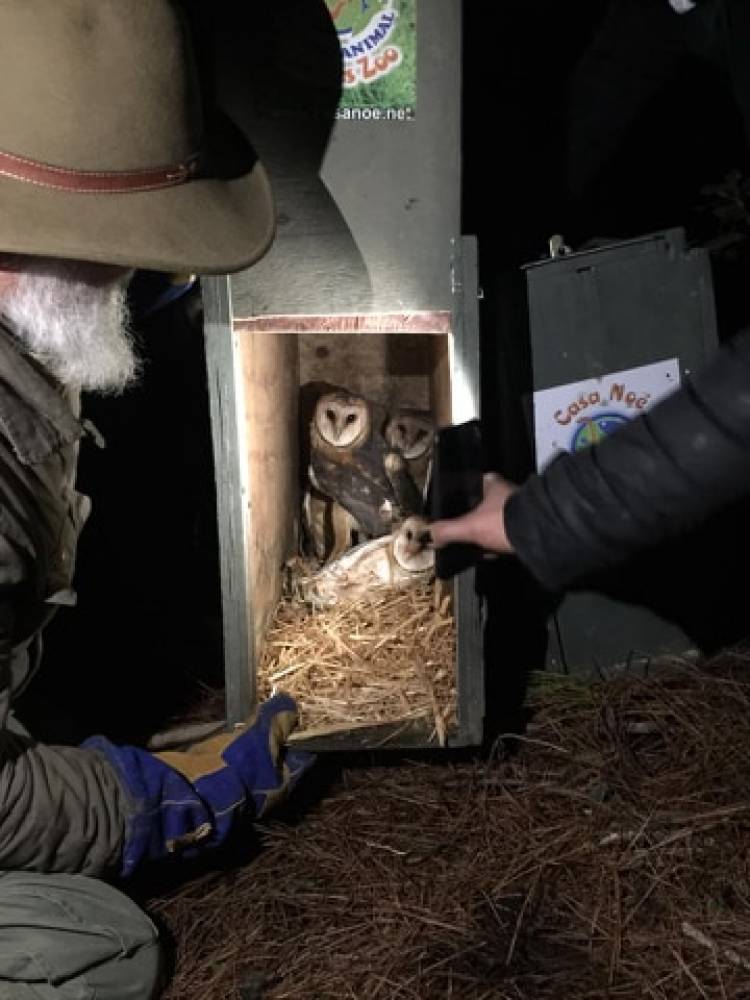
<point x="635" y="305"/>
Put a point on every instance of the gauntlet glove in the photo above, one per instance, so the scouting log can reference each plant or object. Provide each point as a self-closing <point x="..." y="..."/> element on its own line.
<point x="188" y="800"/>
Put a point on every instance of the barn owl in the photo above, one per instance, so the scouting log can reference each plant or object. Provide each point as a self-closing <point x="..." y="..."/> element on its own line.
<point x="347" y="461"/>
<point x="402" y="559"/>
<point x="411" y="433"/>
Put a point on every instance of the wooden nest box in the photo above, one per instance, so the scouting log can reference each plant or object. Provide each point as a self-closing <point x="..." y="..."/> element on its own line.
<point x="370" y="287"/>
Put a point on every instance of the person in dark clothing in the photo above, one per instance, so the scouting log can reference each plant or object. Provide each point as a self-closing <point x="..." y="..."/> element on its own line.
<point x="657" y="478"/>
<point x="671" y="469"/>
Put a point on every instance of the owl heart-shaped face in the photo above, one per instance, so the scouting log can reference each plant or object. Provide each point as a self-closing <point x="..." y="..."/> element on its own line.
<point x="411" y="433"/>
<point x="342" y="419"/>
<point x="412" y="546"/>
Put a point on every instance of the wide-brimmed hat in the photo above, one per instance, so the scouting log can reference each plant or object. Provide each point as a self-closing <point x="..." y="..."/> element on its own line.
<point x="106" y="152"/>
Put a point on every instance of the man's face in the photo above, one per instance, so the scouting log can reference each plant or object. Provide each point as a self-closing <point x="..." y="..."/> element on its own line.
<point x="73" y="318"/>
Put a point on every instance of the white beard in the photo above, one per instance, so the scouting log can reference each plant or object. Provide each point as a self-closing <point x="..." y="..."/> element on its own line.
<point x="79" y="332"/>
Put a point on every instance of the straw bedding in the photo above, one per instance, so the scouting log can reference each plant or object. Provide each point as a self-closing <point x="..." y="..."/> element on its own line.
<point x="603" y="854"/>
<point x="390" y="658"/>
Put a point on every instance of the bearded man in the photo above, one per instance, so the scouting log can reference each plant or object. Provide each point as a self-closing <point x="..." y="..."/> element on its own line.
<point x="107" y="164"/>
<point x="73" y="318"/>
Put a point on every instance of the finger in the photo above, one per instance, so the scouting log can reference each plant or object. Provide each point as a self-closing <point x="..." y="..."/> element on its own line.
<point x="449" y="531"/>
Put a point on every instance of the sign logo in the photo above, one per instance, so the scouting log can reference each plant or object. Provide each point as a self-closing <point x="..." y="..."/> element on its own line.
<point x="358" y="20"/>
<point x="378" y="46"/>
<point x="574" y="416"/>
<point x="366" y="29"/>
<point x="595" y="428"/>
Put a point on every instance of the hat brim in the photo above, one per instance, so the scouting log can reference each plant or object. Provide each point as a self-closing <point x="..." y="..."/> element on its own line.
<point x="205" y="226"/>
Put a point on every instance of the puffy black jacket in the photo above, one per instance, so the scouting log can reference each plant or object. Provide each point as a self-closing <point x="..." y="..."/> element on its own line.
<point x="659" y="476"/>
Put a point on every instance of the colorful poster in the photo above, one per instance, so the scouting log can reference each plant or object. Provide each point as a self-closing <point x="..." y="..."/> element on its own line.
<point x="571" y="417"/>
<point x="379" y="47"/>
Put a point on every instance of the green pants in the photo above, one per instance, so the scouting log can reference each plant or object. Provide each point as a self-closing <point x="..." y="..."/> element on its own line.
<point x="69" y="937"/>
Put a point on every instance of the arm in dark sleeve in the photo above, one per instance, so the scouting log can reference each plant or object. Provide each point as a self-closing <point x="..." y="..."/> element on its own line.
<point x="661" y="475"/>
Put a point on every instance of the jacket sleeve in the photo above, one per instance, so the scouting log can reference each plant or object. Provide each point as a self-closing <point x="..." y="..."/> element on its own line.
<point x="62" y="809"/>
<point x="661" y="475"/>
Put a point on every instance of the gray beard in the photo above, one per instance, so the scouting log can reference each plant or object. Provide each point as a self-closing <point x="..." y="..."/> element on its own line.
<point x="77" y="331"/>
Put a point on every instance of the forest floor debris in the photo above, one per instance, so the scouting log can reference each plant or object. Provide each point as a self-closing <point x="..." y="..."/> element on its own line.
<point x="603" y="854"/>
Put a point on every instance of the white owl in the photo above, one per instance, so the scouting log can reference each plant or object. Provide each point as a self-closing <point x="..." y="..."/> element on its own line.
<point x="342" y="420"/>
<point x="401" y="559"/>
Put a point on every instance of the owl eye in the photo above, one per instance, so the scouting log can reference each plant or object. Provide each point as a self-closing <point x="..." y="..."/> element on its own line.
<point x="401" y="428"/>
<point x="351" y="417"/>
<point x="409" y="536"/>
<point x="421" y="434"/>
<point x="331" y="415"/>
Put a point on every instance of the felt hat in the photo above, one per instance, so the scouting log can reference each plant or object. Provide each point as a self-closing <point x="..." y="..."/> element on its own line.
<point x="106" y="153"/>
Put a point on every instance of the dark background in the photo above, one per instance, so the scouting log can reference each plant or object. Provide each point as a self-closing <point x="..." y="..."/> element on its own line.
<point x="145" y="642"/>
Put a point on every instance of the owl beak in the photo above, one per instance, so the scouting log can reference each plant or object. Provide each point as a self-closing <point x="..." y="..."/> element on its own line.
<point x="425" y="539"/>
<point x="419" y="543"/>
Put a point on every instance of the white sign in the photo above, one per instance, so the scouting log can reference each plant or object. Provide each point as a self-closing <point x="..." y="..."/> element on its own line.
<point x="571" y="417"/>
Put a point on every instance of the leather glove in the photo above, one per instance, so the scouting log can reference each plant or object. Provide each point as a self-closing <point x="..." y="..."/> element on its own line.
<point x="186" y="800"/>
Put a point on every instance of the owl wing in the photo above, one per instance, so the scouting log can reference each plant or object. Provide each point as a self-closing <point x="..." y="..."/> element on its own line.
<point x="351" y="485"/>
<point x="407" y="495"/>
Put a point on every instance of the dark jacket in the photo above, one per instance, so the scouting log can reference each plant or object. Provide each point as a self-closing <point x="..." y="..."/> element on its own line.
<point x="60" y="808"/>
<point x="659" y="476"/>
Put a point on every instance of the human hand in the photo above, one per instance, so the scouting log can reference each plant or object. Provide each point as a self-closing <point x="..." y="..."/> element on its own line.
<point x="485" y="525"/>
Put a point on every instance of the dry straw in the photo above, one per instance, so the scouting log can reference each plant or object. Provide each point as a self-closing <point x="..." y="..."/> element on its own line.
<point x="602" y="856"/>
<point x="390" y="659"/>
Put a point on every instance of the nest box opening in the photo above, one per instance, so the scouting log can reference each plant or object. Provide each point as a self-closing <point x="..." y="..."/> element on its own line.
<point x="386" y="656"/>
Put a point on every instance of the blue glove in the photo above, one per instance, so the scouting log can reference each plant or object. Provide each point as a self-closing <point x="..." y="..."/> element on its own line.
<point x="186" y="801"/>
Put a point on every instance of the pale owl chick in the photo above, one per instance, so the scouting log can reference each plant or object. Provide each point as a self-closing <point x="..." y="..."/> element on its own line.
<point x="402" y="559"/>
<point x="412" y="433"/>
<point x="347" y="461"/>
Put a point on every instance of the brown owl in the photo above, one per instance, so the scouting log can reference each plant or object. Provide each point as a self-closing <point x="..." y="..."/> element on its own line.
<point x="411" y="433"/>
<point x="347" y="461"/>
<point x="401" y="559"/>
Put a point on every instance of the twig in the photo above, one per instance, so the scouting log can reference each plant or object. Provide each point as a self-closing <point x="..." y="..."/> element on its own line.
<point x="702" y="939"/>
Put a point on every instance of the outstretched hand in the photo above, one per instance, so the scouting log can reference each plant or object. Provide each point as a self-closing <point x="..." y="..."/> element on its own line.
<point x="485" y="525"/>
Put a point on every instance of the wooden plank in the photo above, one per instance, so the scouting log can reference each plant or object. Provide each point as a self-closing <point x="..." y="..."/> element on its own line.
<point x="239" y="665"/>
<point x="466" y="406"/>
<point x="270" y="380"/>
<point x="399" y="323"/>
<point x="389" y="369"/>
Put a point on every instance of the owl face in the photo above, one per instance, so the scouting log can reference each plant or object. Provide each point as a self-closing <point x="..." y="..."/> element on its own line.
<point x="412" y="546"/>
<point x="411" y="432"/>
<point x="342" y="419"/>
